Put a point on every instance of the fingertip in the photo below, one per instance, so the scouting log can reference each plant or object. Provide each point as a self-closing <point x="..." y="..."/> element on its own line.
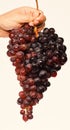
<point x="31" y="24"/>
<point x="36" y="22"/>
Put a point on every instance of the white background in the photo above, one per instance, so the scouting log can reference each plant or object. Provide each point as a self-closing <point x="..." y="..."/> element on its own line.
<point x="53" y="111"/>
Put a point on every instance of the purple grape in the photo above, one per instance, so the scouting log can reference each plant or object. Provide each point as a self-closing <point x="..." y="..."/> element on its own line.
<point x="36" y="60"/>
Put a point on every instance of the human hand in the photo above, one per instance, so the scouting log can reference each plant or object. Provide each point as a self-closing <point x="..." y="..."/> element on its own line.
<point x="17" y="17"/>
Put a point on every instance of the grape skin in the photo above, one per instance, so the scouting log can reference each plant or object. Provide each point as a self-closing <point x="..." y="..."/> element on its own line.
<point x="36" y="59"/>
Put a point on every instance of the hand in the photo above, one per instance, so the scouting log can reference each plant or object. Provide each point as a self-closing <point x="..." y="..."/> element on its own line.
<point x="17" y="17"/>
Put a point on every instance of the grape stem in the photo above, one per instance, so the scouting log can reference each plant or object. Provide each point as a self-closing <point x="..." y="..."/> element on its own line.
<point x="36" y="31"/>
<point x="37" y="6"/>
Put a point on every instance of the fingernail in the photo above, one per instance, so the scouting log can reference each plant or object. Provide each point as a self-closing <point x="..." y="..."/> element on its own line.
<point x="31" y="24"/>
<point x="36" y="22"/>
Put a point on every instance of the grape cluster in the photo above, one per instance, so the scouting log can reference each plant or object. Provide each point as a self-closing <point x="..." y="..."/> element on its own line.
<point x="36" y="59"/>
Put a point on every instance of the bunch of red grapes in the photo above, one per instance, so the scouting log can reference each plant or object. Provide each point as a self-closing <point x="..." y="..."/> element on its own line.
<point x="36" y="59"/>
